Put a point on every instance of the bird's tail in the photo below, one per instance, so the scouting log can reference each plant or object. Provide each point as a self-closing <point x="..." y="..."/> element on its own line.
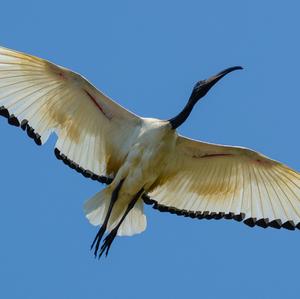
<point x="96" y="209"/>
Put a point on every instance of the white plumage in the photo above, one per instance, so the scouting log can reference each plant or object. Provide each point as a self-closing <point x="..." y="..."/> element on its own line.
<point x="142" y="158"/>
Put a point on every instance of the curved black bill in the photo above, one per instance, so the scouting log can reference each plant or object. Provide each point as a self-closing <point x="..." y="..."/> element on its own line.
<point x="214" y="79"/>
<point x="202" y="87"/>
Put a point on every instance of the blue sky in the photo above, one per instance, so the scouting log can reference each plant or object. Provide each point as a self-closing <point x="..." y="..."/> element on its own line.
<point x="147" y="56"/>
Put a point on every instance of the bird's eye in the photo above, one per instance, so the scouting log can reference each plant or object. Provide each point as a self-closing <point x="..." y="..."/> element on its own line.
<point x="198" y="84"/>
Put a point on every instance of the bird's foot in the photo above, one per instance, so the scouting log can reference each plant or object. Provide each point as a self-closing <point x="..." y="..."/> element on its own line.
<point x="107" y="242"/>
<point x="97" y="239"/>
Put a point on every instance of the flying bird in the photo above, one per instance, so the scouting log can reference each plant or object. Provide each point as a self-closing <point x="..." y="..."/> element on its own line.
<point x="142" y="160"/>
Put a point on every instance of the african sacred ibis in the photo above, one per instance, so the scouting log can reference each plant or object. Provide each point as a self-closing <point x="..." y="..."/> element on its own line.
<point x="142" y="159"/>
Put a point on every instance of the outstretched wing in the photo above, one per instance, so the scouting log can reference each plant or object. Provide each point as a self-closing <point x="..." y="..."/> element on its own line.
<point x="94" y="133"/>
<point x="213" y="181"/>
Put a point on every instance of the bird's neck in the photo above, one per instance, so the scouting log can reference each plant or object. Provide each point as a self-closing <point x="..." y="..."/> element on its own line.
<point x="179" y="119"/>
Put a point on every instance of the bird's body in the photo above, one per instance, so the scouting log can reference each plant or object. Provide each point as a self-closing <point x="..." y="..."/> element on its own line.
<point x="142" y="159"/>
<point x="147" y="156"/>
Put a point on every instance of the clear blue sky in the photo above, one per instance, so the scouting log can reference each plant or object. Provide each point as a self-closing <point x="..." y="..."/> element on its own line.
<point x="147" y="55"/>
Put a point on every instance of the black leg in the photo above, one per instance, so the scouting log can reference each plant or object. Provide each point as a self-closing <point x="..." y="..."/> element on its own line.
<point x="111" y="236"/>
<point x="102" y="229"/>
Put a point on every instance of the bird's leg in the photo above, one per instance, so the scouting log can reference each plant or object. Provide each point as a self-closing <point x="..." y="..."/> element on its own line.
<point x="111" y="236"/>
<point x="103" y="227"/>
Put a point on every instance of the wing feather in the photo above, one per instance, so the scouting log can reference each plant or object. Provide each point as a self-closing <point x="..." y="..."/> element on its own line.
<point x="213" y="181"/>
<point x="94" y="133"/>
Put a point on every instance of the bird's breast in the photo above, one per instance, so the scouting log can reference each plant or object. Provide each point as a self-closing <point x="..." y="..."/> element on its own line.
<point x="149" y="155"/>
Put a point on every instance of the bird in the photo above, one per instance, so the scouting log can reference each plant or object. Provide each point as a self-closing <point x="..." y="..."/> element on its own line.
<point x="142" y="160"/>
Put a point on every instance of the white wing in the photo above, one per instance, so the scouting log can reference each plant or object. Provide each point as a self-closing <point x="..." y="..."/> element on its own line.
<point x="213" y="181"/>
<point x="94" y="133"/>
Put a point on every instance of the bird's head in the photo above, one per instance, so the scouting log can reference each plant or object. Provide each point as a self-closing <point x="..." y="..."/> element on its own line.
<point x="202" y="87"/>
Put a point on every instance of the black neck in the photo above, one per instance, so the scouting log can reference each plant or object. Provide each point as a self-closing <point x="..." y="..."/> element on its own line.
<point x="179" y="119"/>
<point x="200" y="90"/>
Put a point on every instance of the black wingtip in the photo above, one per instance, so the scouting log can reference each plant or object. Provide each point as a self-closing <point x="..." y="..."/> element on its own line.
<point x="12" y="120"/>
<point x="24" y="124"/>
<point x="84" y="172"/>
<point x="252" y="221"/>
<point x="4" y="112"/>
<point x="276" y="223"/>
<point x="290" y="225"/>
<point x="264" y="222"/>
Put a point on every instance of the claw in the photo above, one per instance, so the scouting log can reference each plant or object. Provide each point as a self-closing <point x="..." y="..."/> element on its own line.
<point x="107" y="242"/>
<point x="102" y="229"/>
<point x="97" y="239"/>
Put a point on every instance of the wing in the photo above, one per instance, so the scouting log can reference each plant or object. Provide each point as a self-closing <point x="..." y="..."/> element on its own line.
<point x="213" y="181"/>
<point x="94" y="133"/>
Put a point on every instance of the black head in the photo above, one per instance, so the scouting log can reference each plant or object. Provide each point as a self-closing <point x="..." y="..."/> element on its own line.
<point x="202" y="87"/>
